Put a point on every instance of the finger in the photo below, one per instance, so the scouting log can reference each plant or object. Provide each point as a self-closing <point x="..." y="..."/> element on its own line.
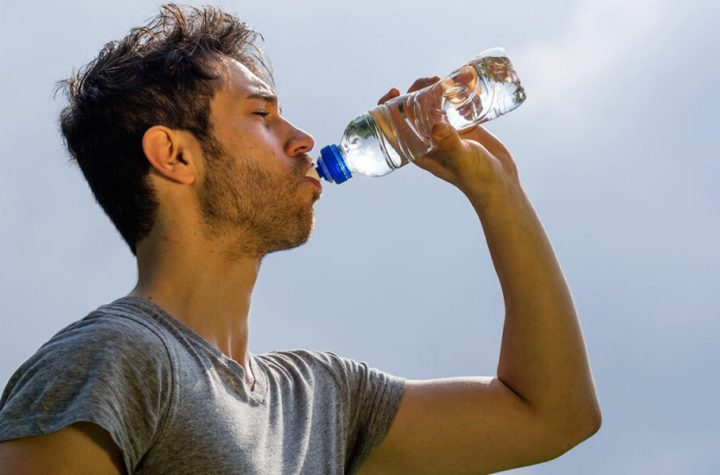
<point x="479" y="133"/>
<point x="447" y="138"/>
<point x="393" y="92"/>
<point x="423" y="82"/>
<point x="483" y="136"/>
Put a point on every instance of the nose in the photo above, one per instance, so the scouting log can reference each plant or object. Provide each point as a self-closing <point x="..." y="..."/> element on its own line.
<point x="300" y="142"/>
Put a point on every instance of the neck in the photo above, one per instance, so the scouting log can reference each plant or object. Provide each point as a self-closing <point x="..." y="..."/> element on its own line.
<point x="201" y="287"/>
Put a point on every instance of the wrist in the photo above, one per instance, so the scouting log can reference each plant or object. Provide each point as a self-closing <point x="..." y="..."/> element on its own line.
<point x="503" y="188"/>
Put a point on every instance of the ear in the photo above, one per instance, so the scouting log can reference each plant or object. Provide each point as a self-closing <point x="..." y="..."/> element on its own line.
<point x="164" y="149"/>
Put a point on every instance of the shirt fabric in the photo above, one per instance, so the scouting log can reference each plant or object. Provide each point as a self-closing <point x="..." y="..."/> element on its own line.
<point x="175" y="404"/>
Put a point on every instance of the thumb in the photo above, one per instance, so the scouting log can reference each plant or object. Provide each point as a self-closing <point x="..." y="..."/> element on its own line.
<point x="446" y="138"/>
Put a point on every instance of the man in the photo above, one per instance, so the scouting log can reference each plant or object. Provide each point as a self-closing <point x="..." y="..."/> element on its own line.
<point x="180" y="136"/>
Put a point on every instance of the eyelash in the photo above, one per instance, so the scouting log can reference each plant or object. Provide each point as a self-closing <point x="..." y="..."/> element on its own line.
<point x="263" y="114"/>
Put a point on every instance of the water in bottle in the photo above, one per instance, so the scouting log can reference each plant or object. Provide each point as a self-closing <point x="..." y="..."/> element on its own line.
<point x="398" y="131"/>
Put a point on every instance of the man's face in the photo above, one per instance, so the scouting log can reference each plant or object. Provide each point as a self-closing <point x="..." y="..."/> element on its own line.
<point x="255" y="186"/>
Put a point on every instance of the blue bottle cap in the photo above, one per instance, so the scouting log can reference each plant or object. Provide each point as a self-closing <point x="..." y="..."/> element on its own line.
<point x="331" y="165"/>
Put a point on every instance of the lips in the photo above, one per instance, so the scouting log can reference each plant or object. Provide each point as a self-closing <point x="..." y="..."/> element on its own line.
<point x="314" y="182"/>
<point x="312" y="173"/>
<point x="311" y="176"/>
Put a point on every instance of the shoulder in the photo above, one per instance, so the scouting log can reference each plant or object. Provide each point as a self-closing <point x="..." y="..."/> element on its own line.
<point x="128" y="320"/>
<point x="112" y="368"/>
<point x="111" y="341"/>
<point x="346" y="372"/>
<point x="302" y="360"/>
<point x="111" y="329"/>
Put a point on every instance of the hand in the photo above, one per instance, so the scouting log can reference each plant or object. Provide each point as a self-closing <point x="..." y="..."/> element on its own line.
<point x="473" y="160"/>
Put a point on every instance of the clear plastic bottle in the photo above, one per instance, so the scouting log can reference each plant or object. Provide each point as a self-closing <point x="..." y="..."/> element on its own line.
<point x="396" y="132"/>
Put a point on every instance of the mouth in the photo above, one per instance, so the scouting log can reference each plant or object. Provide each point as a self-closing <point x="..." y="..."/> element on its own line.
<point x="311" y="176"/>
<point x="313" y="182"/>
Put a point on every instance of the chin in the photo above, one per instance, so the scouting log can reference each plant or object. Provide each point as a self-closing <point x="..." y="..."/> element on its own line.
<point x="298" y="235"/>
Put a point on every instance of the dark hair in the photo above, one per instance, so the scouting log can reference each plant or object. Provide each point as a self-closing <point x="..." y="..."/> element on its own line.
<point x="160" y="74"/>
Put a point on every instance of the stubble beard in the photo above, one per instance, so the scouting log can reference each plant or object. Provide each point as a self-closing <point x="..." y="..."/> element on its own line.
<point x="250" y="211"/>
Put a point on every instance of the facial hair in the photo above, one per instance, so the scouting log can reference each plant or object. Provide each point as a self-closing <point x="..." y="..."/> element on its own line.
<point x="245" y="205"/>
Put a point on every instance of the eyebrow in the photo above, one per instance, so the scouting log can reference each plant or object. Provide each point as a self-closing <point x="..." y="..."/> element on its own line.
<point x="268" y="97"/>
<point x="265" y="96"/>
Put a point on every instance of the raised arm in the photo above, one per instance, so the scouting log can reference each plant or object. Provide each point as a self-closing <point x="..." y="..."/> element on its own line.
<point x="542" y="401"/>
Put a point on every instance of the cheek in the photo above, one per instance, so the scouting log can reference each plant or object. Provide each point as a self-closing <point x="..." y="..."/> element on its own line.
<point x="261" y="176"/>
<point x="261" y="146"/>
<point x="262" y="160"/>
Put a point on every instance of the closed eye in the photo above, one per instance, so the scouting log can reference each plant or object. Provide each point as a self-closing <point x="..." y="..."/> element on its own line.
<point x="263" y="114"/>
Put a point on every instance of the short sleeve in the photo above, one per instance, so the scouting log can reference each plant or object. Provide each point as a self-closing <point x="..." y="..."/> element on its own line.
<point x="373" y="397"/>
<point x="109" y="370"/>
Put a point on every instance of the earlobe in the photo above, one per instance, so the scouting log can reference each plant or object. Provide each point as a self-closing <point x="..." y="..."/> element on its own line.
<point x="164" y="149"/>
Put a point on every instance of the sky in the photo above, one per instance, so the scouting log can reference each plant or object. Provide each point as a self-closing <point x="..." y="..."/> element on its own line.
<point x="616" y="148"/>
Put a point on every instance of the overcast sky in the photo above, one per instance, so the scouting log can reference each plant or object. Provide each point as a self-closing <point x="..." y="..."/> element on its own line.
<point x="616" y="148"/>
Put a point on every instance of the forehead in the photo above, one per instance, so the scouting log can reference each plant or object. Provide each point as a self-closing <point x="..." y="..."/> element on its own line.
<point x="238" y="82"/>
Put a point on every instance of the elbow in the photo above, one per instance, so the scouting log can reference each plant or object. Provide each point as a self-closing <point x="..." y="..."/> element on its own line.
<point x="592" y="420"/>
<point x="577" y="431"/>
<point x="595" y="422"/>
<point x="583" y="419"/>
<point x="589" y="426"/>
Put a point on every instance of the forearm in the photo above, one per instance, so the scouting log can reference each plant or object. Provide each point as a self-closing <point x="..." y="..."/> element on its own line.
<point x="542" y="357"/>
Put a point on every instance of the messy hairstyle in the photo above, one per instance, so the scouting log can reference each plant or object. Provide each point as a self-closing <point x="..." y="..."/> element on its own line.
<point x="162" y="73"/>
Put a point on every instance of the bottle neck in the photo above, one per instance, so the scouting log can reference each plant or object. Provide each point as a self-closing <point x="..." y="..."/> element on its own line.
<point x="332" y="166"/>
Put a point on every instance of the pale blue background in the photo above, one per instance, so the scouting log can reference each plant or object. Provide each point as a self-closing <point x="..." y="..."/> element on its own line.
<point x="616" y="146"/>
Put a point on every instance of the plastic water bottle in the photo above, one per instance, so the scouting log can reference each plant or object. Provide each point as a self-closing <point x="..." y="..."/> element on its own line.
<point x="398" y="131"/>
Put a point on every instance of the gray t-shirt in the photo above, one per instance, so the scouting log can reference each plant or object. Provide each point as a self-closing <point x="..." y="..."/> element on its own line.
<point x="174" y="404"/>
